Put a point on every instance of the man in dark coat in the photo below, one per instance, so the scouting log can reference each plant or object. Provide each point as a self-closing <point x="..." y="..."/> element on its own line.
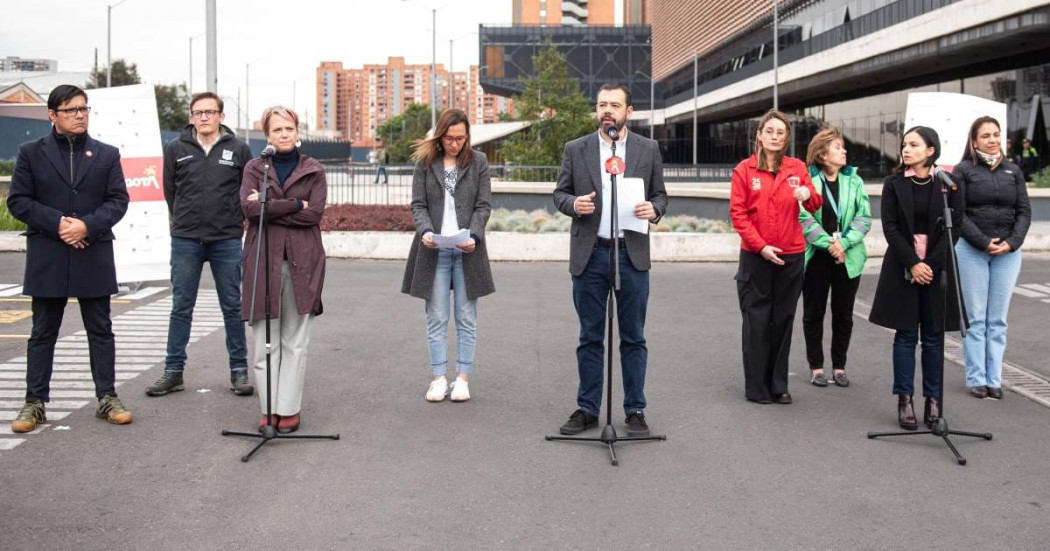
<point x="202" y="183"/>
<point x="69" y="190"/>
<point x="583" y="192"/>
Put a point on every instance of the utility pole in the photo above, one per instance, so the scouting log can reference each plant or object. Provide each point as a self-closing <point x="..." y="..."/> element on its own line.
<point x="696" y="107"/>
<point x="433" y="69"/>
<point x="776" y="39"/>
<point x="212" y="83"/>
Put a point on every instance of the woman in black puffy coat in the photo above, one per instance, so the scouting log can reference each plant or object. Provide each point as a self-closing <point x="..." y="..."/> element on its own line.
<point x="996" y="219"/>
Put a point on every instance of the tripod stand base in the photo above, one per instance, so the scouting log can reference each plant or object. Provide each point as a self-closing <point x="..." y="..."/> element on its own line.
<point x="269" y="433"/>
<point x="939" y="429"/>
<point x="608" y="438"/>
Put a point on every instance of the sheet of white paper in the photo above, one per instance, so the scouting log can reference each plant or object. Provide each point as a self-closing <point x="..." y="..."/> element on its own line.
<point x="450" y="241"/>
<point x="630" y="192"/>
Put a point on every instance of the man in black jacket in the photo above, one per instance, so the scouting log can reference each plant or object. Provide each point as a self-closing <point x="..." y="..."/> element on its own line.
<point x="69" y="190"/>
<point x="202" y="181"/>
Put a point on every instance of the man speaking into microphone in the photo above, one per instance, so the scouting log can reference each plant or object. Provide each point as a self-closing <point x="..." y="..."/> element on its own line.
<point x="583" y="192"/>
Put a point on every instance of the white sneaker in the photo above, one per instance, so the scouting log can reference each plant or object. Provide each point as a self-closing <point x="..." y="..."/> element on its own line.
<point x="460" y="391"/>
<point x="438" y="390"/>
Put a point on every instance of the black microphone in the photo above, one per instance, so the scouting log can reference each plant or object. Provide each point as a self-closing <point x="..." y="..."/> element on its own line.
<point x="268" y="151"/>
<point x="611" y="131"/>
<point x="946" y="179"/>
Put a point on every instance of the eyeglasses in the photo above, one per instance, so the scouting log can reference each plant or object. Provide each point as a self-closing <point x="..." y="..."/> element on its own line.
<point x="454" y="139"/>
<point x="207" y="114"/>
<point x="71" y="111"/>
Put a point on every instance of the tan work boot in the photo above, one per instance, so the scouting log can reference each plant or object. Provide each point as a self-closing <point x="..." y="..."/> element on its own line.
<point x="113" y="410"/>
<point x="31" y="415"/>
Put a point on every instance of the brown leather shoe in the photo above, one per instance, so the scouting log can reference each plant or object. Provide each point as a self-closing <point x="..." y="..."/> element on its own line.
<point x="931" y="413"/>
<point x="906" y="413"/>
<point x="274" y="420"/>
<point x="289" y="423"/>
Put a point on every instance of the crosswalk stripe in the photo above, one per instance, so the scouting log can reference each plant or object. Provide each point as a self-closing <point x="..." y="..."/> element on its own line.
<point x="1028" y="292"/>
<point x="1036" y="287"/>
<point x="11" y="291"/>
<point x="54" y="394"/>
<point x="56" y="404"/>
<point x="62" y="375"/>
<point x="21" y="384"/>
<point x="10" y="443"/>
<point x="5" y="429"/>
<point x="144" y="292"/>
<point x="10" y="415"/>
<point x="78" y="367"/>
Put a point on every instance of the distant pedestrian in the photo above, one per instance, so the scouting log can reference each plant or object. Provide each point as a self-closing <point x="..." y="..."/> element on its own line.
<point x="203" y="168"/>
<point x="451" y="191"/>
<point x="998" y="214"/>
<point x="69" y="190"/>
<point x="768" y="191"/>
<point x="383" y="159"/>
<point x="835" y="253"/>
<point x="1029" y="160"/>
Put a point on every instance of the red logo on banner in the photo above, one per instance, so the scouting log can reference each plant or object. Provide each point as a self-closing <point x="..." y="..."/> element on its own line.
<point x="144" y="177"/>
<point x="615" y="166"/>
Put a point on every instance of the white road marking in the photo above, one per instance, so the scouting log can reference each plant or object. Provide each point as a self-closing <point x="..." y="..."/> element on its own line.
<point x="1027" y="292"/>
<point x="54" y="394"/>
<point x="10" y="415"/>
<point x="1037" y="287"/>
<point x="10" y="443"/>
<point x="144" y="292"/>
<point x="6" y="429"/>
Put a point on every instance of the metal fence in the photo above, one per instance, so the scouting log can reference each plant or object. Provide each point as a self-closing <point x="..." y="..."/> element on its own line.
<point x="365" y="184"/>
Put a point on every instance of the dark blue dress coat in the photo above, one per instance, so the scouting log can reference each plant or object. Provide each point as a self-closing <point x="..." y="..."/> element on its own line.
<point x="43" y="191"/>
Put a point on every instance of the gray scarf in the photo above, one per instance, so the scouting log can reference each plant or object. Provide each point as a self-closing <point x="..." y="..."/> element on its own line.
<point x="990" y="160"/>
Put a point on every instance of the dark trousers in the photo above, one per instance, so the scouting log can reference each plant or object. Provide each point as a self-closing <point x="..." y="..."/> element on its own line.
<point x="768" y="298"/>
<point x="823" y="275"/>
<point x="187" y="262"/>
<point x="590" y="294"/>
<point x="904" y="343"/>
<point x="47" y="320"/>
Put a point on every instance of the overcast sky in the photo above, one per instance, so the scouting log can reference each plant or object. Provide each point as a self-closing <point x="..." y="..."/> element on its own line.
<point x="282" y="41"/>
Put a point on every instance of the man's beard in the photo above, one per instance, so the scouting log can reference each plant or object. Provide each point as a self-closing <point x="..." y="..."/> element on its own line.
<point x="618" y="124"/>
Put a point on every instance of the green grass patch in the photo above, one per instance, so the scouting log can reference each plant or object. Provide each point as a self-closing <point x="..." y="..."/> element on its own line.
<point x="7" y="168"/>
<point x="7" y="221"/>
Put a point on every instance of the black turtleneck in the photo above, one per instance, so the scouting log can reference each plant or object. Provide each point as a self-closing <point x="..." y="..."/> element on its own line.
<point x="284" y="164"/>
<point x="72" y="148"/>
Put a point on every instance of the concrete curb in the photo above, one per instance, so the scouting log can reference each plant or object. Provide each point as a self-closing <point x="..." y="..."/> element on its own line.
<point x="551" y="247"/>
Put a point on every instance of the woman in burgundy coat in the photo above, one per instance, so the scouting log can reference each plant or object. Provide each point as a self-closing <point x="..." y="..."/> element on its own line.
<point x="296" y="199"/>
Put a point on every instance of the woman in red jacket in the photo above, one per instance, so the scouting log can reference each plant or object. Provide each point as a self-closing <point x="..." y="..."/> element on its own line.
<point x="764" y="206"/>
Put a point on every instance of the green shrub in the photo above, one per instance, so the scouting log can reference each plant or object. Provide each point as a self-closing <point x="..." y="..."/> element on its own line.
<point x="7" y="221"/>
<point x="7" y="168"/>
<point x="541" y="221"/>
<point x="1041" y="178"/>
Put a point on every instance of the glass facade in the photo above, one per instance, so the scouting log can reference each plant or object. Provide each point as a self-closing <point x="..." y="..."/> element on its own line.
<point x="873" y="125"/>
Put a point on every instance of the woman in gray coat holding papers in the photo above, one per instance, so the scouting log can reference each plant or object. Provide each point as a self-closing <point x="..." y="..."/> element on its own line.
<point x="451" y="192"/>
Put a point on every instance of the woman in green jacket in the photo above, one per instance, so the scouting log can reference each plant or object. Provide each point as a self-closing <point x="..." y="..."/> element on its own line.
<point x="835" y="253"/>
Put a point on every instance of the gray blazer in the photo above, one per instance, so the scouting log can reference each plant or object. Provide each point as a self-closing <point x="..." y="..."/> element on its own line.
<point x="581" y="174"/>
<point x="473" y="198"/>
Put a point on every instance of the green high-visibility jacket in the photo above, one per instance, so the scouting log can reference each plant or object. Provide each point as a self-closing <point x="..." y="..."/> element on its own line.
<point x="854" y="219"/>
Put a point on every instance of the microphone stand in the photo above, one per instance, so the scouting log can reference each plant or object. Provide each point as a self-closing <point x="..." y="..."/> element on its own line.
<point x="269" y="431"/>
<point x="609" y="437"/>
<point x="940" y="426"/>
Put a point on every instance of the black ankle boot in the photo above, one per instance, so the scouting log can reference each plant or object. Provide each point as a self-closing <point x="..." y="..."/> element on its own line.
<point x="906" y="413"/>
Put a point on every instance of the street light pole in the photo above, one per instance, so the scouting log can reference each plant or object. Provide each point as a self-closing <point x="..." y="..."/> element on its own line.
<point x="212" y="82"/>
<point x="776" y="39"/>
<point x="191" y="66"/>
<point x="451" y="76"/>
<point x="109" y="42"/>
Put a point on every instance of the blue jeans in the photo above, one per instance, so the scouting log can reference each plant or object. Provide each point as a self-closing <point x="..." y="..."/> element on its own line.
<point x="987" y="286"/>
<point x="448" y="278"/>
<point x="904" y="343"/>
<point x="590" y="294"/>
<point x="187" y="261"/>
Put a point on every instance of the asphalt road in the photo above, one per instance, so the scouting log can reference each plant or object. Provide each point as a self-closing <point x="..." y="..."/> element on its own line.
<point x="408" y="474"/>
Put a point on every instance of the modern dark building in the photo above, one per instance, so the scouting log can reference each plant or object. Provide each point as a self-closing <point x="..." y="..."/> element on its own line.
<point x="850" y="63"/>
<point x="596" y="55"/>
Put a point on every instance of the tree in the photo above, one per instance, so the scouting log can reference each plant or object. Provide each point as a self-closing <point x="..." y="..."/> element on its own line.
<point x="173" y="106"/>
<point x="558" y="111"/>
<point x="123" y="74"/>
<point x="399" y="133"/>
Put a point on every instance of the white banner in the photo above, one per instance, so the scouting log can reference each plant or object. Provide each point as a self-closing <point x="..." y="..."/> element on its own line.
<point x="126" y="118"/>
<point x="951" y="116"/>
